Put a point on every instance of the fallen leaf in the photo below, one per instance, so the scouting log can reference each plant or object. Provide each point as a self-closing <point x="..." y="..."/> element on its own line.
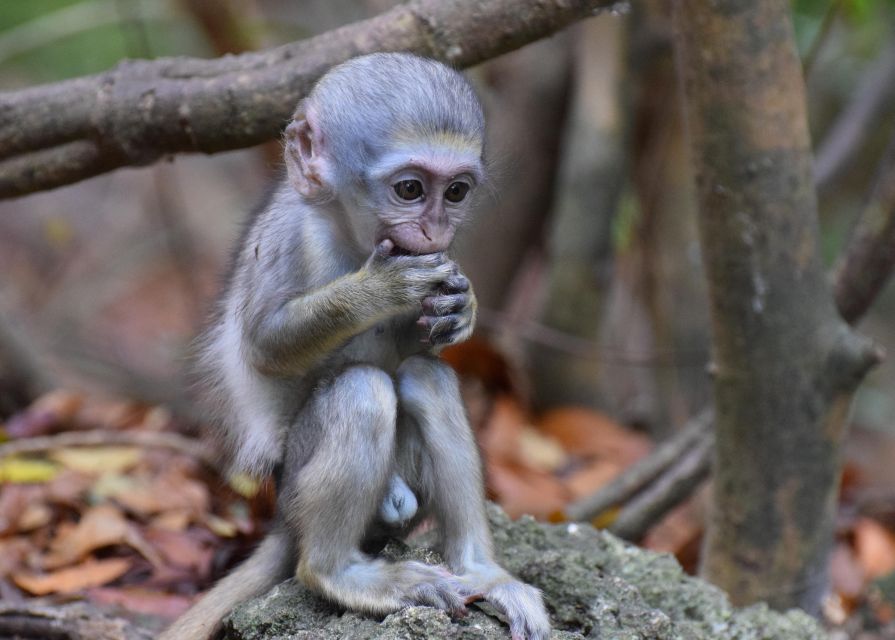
<point x="244" y="484"/>
<point x="588" y="433"/>
<point x="142" y="601"/>
<point x="220" y="527"/>
<point x="173" y="491"/>
<point x="182" y="549"/>
<point x="50" y="413"/>
<point x="846" y="574"/>
<point x="539" y="451"/>
<point x="27" y="470"/>
<point x="591" y="476"/>
<point x="14" y="499"/>
<point x="34" y="516"/>
<point x="101" y="526"/>
<point x="477" y="358"/>
<point x="68" y="488"/>
<point x="175" y="520"/>
<point x="500" y="436"/>
<point x="97" y="460"/>
<point x="13" y="553"/>
<point x="874" y="547"/>
<point x="91" y="573"/>
<point x="521" y="490"/>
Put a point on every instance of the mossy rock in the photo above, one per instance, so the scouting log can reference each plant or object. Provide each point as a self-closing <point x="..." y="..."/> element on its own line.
<point x="595" y="586"/>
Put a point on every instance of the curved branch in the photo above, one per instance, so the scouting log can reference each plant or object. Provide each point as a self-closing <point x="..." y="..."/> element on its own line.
<point x="869" y="257"/>
<point x="142" y="110"/>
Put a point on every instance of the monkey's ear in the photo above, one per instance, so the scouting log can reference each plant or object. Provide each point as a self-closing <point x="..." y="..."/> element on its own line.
<point x="304" y="158"/>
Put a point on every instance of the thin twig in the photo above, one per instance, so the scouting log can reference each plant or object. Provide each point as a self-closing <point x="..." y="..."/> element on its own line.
<point x="851" y="129"/>
<point x="646" y="471"/>
<point x="671" y="488"/>
<point x="820" y="39"/>
<point x="103" y="437"/>
<point x="869" y="257"/>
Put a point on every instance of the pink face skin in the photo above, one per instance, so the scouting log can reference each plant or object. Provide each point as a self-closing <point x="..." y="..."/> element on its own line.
<point x="428" y="195"/>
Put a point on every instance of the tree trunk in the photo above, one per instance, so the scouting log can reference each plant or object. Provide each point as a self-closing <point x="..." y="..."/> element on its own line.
<point x="786" y="364"/>
<point x="580" y="241"/>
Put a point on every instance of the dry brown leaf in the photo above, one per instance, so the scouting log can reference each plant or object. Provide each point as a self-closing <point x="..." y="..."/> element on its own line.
<point x="14" y="499"/>
<point x="172" y="491"/>
<point x="13" y="553"/>
<point x="91" y="573"/>
<point x="182" y="549"/>
<point x="846" y="574"/>
<point x="520" y="490"/>
<point x="592" y="476"/>
<point x="587" y="433"/>
<point x="476" y="358"/>
<point x="175" y="520"/>
<point x="100" y="526"/>
<point x="539" y="451"/>
<point x="69" y="488"/>
<point x="499" y="439"/>
<point x="874" y="547"/>
<point x="48" y="414"/>
<point x="34" y="516"/>
<point x="140" y="600"/>
<point x="680" y="532"/>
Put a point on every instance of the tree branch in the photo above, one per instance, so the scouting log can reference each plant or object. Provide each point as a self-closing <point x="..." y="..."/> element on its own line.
<point x="869" y="257"/>
<point x="142" y="110"/>
<point x="646" y="472"/>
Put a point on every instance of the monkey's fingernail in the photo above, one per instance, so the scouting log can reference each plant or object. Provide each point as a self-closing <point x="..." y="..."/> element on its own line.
<point x="385" y="247"/>
<point x="474" y="598"/>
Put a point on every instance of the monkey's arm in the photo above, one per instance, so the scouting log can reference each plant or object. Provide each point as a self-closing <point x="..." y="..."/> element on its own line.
<point x="291" y="337"/>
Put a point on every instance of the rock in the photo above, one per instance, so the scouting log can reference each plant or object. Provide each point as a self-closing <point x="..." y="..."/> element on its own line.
<point x="595" y="586"/>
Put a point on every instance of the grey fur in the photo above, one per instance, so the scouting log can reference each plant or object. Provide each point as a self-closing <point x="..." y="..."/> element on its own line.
<point x="322" y="358"/>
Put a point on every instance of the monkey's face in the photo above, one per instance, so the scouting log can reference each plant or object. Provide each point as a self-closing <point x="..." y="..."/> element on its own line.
<point x="423" y="193"/>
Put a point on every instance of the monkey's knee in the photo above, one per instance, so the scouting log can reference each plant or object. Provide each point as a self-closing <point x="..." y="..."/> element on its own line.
<point x="423" y="379"/>
<point x="367" y="395"/>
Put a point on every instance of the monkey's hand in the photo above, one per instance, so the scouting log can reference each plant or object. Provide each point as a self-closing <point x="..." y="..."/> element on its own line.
<point x="449" y="315"/>
<point x="403" y="281"/>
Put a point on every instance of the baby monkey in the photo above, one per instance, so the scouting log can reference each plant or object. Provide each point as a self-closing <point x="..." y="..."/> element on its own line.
<point x="323" y="362"/>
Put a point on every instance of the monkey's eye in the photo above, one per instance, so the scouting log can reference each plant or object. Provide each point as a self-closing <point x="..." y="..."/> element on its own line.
<point x="409" y="190"/>
<point x="456" y="191"/>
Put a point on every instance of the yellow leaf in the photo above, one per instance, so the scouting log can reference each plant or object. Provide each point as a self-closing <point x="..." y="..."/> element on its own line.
<point x="97" y="459"/>
<point x="220" y="527"/>
<point x="25" y="470"/>
<point x="244" y="484"/>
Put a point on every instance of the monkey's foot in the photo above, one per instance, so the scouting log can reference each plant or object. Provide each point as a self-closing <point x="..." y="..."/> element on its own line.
<point x="432" y="586"/>
<point x="520" y="603"/>
<point x="380" y="588"/>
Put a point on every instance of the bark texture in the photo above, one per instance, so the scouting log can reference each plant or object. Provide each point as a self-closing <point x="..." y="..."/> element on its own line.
<point x="143" y="110"/>
<point x="786" y="364"/>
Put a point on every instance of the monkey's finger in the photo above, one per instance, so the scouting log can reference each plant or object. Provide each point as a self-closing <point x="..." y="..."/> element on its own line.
<point x="444" y="305"/>
<point x="384" y="248"/>
<point x="456" y="283"/>
<point x="439" y="326"/>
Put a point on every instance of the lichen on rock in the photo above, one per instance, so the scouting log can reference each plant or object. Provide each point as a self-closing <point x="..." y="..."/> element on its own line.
<point x="595" y="586"/>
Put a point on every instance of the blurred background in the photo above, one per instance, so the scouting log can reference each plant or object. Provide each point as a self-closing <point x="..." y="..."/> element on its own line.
<point x="592" y="342"/>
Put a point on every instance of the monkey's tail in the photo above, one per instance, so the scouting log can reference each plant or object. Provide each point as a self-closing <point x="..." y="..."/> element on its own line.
<point x="269" y="565"/>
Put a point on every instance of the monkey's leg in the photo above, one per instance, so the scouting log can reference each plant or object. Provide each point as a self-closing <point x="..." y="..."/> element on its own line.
<point x="451" y="480"/>
<point x="332" y="498"/>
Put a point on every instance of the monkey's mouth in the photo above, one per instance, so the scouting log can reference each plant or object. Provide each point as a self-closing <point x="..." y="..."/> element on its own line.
<point x="401" y="251"/>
